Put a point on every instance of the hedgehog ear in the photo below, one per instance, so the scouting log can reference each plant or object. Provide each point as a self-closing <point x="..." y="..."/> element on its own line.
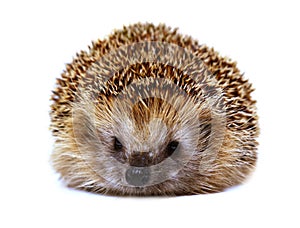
<point x="83" y="123"/>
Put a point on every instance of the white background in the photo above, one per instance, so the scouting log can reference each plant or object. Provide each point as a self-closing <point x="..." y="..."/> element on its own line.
<point x="38" y="38"/>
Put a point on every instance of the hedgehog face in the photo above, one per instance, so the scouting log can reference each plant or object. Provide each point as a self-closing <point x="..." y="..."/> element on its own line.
<point x="148" y="143"/>
<point x="145" y="141"/>
<point x="143" y="149"/>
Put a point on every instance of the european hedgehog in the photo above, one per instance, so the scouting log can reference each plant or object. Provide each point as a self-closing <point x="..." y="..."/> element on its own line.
<point x="148" y="111"/>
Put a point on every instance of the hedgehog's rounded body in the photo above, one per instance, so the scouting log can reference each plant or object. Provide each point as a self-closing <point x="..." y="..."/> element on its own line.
<point x="150" y="112"/>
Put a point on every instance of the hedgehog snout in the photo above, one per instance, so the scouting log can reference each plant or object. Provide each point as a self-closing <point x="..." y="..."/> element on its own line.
<point x="138" y="174"/>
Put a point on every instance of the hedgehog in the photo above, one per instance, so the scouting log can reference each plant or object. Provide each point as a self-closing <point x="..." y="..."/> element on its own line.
<point x="148" y="111"/>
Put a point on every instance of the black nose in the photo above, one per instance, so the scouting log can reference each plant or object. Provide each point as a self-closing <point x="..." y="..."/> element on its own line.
<point x="137" y="176"/>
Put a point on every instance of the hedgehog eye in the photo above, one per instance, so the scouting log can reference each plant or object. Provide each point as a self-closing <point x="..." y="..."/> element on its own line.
<point x="171" y="147"/>
<point x="117" y="144"/>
